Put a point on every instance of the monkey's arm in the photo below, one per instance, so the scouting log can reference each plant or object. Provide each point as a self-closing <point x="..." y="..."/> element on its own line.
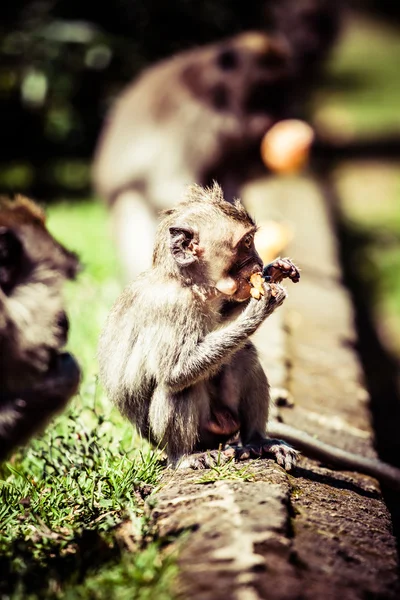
<point x="198" y="362"/>
<point x="231" y="310"/>
<point x="313" y="448"/>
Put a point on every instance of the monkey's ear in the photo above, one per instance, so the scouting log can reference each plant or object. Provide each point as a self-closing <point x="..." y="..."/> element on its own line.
<point x="182" y="245"/>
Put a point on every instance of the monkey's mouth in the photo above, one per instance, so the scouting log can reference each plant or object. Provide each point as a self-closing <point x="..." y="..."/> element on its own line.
<point x="62" y="376"/>
<point x="244" y="286"/>
<point x="59" y="382"/>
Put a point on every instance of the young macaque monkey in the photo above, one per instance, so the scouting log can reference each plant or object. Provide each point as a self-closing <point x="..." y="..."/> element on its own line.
<point x="195" y="117"/>
<point x="37" y="377"/>
<point x="175" y="354"/>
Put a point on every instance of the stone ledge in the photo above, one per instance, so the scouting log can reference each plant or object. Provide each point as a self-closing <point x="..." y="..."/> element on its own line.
<point x="317" y="533"/>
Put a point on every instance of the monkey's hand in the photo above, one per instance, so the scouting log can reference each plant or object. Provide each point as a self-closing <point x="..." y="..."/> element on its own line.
<point x="285" y="455"/>
<point x="274" y="295"/>
<point x="279" y="269"/>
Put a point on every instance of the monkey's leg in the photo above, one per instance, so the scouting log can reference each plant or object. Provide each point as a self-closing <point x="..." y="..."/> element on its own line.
<point x="133" y="228"/>
<point x="253" y="412"/>
<point x="251" y="398"/>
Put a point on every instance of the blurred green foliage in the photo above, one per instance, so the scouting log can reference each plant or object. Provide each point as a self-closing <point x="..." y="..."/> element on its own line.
<point x="360" y="97"/>
<point x="360" y="93"/>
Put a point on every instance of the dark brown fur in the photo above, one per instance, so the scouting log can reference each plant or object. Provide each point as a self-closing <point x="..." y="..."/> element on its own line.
<point x="37" y="378"/>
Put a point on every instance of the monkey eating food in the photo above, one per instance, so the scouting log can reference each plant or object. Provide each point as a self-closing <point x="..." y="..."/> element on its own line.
<point x="37" y="377"/>
<point x="257" y="289"/>
<point x="175" y="354"/>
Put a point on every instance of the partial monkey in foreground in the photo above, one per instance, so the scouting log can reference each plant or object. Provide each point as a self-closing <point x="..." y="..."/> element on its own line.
<point x="175" y="355"/>
<point x="37" y="377"/>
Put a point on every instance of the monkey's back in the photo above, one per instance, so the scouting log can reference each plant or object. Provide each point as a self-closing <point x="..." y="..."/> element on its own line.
<point x="151" y="113"/>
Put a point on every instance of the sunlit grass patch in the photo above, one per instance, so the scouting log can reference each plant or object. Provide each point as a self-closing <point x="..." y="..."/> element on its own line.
<point x="63" y="501"/>
<point x="226" y="471"/>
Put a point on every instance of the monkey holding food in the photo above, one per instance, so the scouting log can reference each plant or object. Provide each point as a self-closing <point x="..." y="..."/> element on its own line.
<point x="37" y="377"/>
<point x="175" y="354"/>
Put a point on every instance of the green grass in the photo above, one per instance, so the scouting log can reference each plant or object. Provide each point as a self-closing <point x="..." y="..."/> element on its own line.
<point x="73" y="521"/>
<point x="228" y="471"/>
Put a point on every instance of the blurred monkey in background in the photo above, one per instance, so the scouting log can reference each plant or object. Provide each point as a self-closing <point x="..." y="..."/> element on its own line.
<point x="200" y="116"/>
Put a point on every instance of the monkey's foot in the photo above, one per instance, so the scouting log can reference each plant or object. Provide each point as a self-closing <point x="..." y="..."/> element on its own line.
<point x="279" y="269"/>
<point x="205" y="460"/>
<point x="285" y="455"/>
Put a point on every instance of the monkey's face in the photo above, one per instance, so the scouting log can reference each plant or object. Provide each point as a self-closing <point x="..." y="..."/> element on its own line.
<point x="223" y="257"/>
<point x="249" y="76"/>
<point x="241" y="261"/>
<point x="211" y="242"/>
<point x="33" y="323"/>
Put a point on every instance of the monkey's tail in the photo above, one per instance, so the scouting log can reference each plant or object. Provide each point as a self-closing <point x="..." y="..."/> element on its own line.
<point x="313" y="448"/>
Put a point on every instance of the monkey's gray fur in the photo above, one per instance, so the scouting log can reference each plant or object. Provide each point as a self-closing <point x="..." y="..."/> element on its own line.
<point x="175" y="352"/>
<point x="37" y="378"/>
<point x="173" y="344"/>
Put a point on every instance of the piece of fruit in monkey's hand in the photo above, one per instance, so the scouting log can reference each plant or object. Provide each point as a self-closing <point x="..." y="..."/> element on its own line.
<point x="257" y="288"/>
<point x="279" y="269"/>
<point x="285" y="148"/>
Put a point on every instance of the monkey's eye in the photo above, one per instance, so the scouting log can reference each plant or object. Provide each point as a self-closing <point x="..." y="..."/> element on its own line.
<point x="247" y="241"/>
<point x="228" y="60"/>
